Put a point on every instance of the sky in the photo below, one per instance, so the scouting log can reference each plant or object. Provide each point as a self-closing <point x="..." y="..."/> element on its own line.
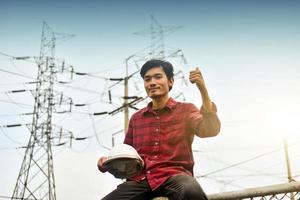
<point x="248" y="52"/>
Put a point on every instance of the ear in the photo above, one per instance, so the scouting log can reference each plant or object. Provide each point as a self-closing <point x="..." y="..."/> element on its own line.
<point x="171" y="82"/>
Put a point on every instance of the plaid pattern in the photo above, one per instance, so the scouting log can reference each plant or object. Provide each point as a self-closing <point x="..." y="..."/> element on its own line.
<point x="163" y="139"/>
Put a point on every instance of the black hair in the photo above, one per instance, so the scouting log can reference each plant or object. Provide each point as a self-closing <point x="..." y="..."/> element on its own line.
<point x="166" y="66"/>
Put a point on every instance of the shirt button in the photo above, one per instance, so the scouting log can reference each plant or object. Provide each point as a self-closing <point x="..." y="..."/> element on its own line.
<point x="157" y="130"/>
<point x="157" y="117"/>
<point x="156" y="143"/>
<point x="148" y="172"/>
<point x="155" y="156"/>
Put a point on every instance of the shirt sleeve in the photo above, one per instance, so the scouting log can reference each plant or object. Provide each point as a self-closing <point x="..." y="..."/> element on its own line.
<point x="129" y="134"/>
<point x="203" y="123"/>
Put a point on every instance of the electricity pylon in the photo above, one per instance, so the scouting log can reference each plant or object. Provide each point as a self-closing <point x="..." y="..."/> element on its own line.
<point x="157" y="33"/>
<point x="36" y="176"/>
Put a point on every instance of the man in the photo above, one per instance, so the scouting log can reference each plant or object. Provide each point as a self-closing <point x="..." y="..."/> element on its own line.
<point x="162" y="133"/>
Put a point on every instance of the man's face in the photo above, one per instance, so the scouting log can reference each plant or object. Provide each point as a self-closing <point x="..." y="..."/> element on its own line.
<point x="156" y="83"/>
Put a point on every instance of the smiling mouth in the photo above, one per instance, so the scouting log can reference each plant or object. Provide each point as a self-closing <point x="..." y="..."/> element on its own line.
<point x="152" y="89"/>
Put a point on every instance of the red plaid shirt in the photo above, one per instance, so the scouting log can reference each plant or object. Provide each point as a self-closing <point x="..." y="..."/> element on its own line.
<point x="163" y="139"/>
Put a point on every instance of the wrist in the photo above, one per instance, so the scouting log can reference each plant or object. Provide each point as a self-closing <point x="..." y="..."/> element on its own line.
<point x="201" y="85"/>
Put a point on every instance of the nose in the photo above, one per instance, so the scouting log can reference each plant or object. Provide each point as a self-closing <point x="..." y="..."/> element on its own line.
<point x="152" y="83"/>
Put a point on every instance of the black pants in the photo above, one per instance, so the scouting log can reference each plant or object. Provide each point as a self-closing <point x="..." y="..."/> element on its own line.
<point x="179" y="187"/>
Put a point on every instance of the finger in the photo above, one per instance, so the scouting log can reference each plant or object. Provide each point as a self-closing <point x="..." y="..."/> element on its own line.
<point x="195" y="76"/>
<point x="192" y="80"/>
<point x="102" y="160"/>
<point x="194" y="72"/>
<point x="99" y="164"/>
<point x="197" y="70"/>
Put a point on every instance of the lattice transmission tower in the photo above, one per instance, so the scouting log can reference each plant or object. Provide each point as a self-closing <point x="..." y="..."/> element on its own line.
<point x="36" y="176"/>
<point x="157" y="33"/>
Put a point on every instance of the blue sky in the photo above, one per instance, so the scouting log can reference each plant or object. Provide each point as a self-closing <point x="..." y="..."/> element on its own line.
<point x="248" y="52"/>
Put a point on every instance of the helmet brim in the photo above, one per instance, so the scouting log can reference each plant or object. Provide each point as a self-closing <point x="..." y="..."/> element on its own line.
<point x="124" y="166"/>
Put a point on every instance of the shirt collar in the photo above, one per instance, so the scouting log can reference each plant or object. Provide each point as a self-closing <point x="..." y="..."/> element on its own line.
<point x="171" y="103"/>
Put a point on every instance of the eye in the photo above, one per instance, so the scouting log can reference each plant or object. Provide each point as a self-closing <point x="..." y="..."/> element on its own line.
<point x="158" y="76"/>
<point x="147" y="79"/>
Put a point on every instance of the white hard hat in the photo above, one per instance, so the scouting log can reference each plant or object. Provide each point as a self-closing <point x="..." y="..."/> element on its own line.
<point x="124" y="161"/>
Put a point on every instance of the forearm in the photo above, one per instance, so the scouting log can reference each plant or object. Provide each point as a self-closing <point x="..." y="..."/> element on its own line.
<point x="211" y="124"/>
<point x="206" y="102"/>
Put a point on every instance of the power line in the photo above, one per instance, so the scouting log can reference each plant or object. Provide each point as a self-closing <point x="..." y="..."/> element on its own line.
<point x="9" y="138"/>
<point x="78" y="88"/>
<point x="17" y="74"/>
<point x="16" y="114"/>
<point x="9" y="197"/>
<point x="246" y="169"/>
<point x="5" y="54"/>
<point x="20" y="83"/>
<point x="17" y="103"/>
<point x="15" y="57"/>
<point x="225" y="182"/>
<point x="7" y="148"/>
<point x="96" y="135"/>
<point x="88" y="74"/>
<point x="242" y="162"/>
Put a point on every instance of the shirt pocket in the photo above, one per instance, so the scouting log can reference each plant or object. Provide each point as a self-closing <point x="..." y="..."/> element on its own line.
<point x="175" y="134"/>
